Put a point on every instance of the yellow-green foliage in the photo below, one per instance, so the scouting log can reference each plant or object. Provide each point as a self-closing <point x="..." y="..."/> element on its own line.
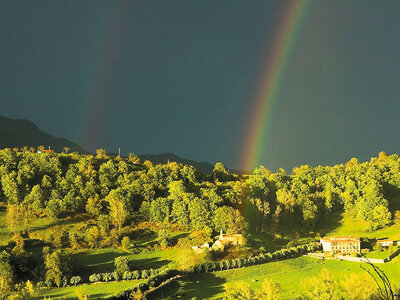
<point x="270" y="290"/>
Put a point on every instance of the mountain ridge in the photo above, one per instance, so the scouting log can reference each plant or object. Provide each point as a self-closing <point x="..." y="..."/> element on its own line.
<point x="162" y="158"/>
<point x="23" y="132"/>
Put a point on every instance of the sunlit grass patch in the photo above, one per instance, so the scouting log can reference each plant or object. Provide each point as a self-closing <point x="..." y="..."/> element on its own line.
<point x="94" y="291"/>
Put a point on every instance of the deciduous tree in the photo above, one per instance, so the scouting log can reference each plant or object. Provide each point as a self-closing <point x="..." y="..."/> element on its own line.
<point x="6" y="274"/>
<point x="322" y="287"/>
<point x="360" y="287"/>
<point x="118" y="213"/>
<point x="270" y="290"/>
<point x="239" y="290"/>
<point x="93" y="206"/>
<point x="121" y="264"/>
<point x="53" y="268"/>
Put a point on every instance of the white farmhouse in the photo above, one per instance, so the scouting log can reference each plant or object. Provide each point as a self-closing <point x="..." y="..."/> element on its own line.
<point x="341" y="244"/>
<point x="387" y="243"/>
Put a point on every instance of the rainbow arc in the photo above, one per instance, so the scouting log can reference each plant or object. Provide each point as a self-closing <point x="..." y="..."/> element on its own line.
<point x="286" y="37"/>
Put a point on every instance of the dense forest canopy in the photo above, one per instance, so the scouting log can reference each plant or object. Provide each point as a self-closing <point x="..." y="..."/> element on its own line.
<point x="123" y="190"/>
<point x="108" y="200"/>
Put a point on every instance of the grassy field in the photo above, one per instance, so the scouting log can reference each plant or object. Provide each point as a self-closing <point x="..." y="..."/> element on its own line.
<point x="93" y="291"/>
<point x="350" y="226"/>
<point x="40" y="226"/>
<point x="272" y="243"/>
<point x="377" y="254"/>
<point x="89" y="261"/>
<point x="289" y="273"/>
<point x="102" y="260"/>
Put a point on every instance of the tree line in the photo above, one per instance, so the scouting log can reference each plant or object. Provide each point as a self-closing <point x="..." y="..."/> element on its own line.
<point x="115" y="191"/>
<point x="256" y="260"/>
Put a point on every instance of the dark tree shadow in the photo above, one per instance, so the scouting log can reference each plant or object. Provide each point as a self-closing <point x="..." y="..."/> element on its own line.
<point x="392" y="194"/>
<point x="149" y="263"/>
<point x="165" y="292"/>
<point x="201" y="286"/>
<point x="67" y="220"/>
<point x="59" y="296"/>
<point x="176" y="238"/>
<point x="97" y="296"/>
<point x="87" y="263"/>
<point x="330" y="222"/>
<point x="63" y="296"/>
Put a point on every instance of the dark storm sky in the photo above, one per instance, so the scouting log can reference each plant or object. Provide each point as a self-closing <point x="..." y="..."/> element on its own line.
<point x="182" y="76"/>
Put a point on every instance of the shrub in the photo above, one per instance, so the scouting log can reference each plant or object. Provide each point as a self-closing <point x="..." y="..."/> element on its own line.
<point x="106" y="277"/>
<point x="94" y="277"/>
<point x="294" y="251"/>
<point x="233" y="263"/>
<point x="126" y="242"/>
<point x="152" y="284"/>
<point x="64" y="281"/>
<point x="242" y="262"/>
<point x="75" y="280"/>
<point x="48" y="283"/>
<point x="136" y="274"/>
<point x="121" y="264"/>
<point x="145" y="274"/>
<point x="115" y="275"/>
<point x="127" y="275"/>
<point x="227" y="264"/>
<point x="240" y="290"/>
<point x="164" y="238"/>
<point x="214" y="266"/>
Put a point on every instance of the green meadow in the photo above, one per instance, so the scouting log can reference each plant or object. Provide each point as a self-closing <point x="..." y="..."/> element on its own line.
<point x="289" y="273"/>
<point x="101" y="260"/>
<point x="93" y="291"/>
<point x="348" y="225"/>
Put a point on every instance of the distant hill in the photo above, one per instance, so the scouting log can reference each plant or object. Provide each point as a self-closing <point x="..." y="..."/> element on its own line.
<point x="163" y="158"/>
<point x="21" y="132"/>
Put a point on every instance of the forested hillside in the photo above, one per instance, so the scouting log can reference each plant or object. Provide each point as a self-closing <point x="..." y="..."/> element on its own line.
<point x="101" y="201"/>
<point x="58" y="184"/>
